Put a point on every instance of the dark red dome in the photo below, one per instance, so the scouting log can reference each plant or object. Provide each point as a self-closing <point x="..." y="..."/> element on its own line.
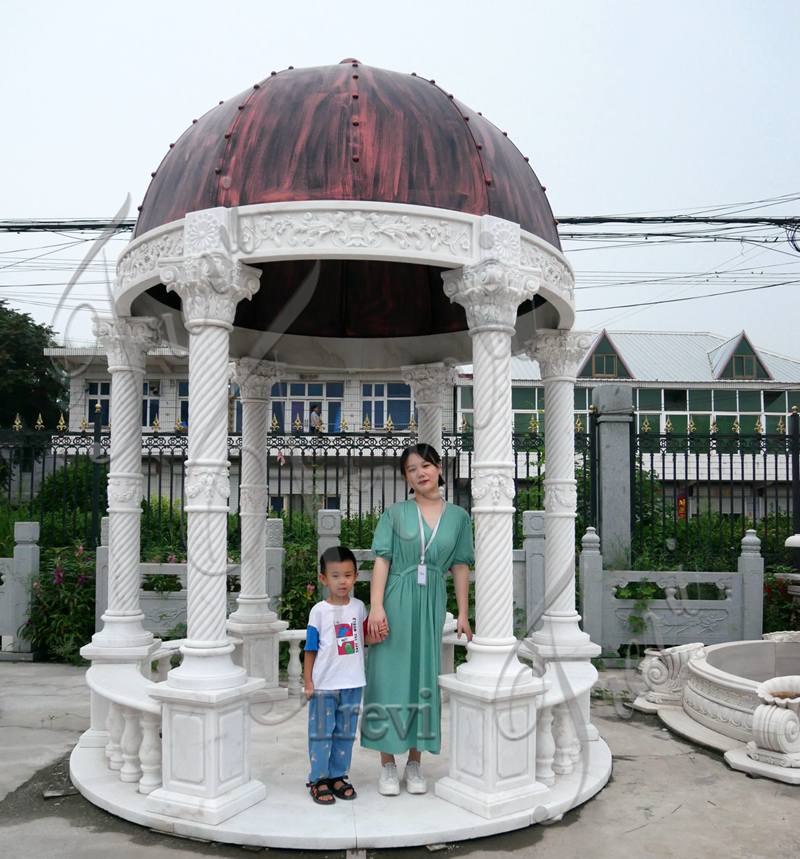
<point x="347" y="132"/>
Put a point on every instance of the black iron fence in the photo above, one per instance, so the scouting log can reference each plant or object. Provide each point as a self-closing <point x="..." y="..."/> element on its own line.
<point x="694" y="495"/>
<point x="60" y="479"/>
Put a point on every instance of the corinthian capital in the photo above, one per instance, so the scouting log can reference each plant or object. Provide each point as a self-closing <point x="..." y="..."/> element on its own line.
<point x="126" y="340"/>
<point x="210" y="286"/>
<point x="428" y="380"/>
<point x="490" y="292"/>
<point x="559" y="353"/>
<point x="255" y="378"/>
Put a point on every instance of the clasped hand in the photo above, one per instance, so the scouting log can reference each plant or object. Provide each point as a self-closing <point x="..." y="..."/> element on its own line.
<point x="377" y="626"/>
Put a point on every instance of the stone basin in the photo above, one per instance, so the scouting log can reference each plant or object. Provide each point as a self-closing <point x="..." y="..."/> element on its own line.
<point x="720" y="692"/>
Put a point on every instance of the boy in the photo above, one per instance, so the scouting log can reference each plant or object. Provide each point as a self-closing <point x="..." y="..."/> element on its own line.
<point x="333" y="674"/>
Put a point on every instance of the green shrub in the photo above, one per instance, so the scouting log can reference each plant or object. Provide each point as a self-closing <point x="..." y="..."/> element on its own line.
<point x="62" y="604"/>
<point x="71" y="486"/>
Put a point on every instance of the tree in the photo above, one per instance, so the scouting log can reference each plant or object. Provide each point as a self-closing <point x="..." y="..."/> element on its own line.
<point x="30" y="384"/>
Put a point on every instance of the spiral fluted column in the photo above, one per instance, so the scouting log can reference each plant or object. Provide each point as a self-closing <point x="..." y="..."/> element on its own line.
<point x="491" y="292"/>
<point x="126" y="341"/>
<point x="253" y="621"/>
<point x="427" y="382"/>
<point x="559" y="354"/>
<point x="210" y="286"/>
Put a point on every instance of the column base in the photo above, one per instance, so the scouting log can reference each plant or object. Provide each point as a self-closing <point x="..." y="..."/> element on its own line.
<point x="101" y="652"/>
<point x="209" y="811"/>
<point x="493" y="663"/>
<point x="207" y="668"/>
<point x="205" y="753"/>
<point x="122" y="631"/>
<point x="559" y="638"/>
<point x="492" y="748"/>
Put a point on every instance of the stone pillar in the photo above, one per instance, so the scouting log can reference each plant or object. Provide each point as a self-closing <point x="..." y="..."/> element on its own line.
<point x="254" y="621"/>
<point x="614" y="404"/>
<point x="126" y="341"/>
<point x="493" y="696"/>
<point x="427" y="382"/>
<point x="206" y="724"/>
<point x="751" y="569"/>
<point x="560" y="637"/>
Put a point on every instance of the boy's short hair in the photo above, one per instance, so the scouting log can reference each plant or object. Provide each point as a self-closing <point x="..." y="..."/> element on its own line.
<point x="336" y="554"/>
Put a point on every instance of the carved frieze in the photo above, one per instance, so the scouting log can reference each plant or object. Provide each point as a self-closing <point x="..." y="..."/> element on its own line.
<point x="125" y="491"/>
<point x="496" y="487"/>
<point x="143" y="260"/>
<point x="560" y="496"/>
<point x="500" y="240"/>
<point x="252" y="500"/>
<point x="354" y="229"/>
<point x="207" y="484"/>
<point x="555" y="275"/>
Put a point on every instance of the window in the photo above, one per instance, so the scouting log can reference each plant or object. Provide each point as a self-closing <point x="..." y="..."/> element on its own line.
<point x="775" y="402"/>
<point x="293" y="403"/>
<point x="649" y="399"/>
<point x="183" y="403"/>
<point x="605" y="366"/>
<point x="234" y="409"/>
<point x="382" y="400"/>
<point x="725" y="401"/>
<point x="99" y="392"/>
<point x="674" y="400"/>
<point x="700" y="400"/>
<point x="151" y="393"/>
<point x="750" y="401"/>
<point x="744" y="367"/>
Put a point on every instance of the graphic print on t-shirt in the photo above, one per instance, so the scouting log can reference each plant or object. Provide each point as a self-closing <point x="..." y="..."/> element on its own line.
<point x="345" y="640"/>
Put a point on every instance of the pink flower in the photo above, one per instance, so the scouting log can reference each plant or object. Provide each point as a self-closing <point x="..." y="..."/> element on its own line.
<point x="281" y="458"/>
<point x="310" y="588"/>
<point x="79" y="551"/>
<point x="81" y="580"/>
<point x="171" y="559"/>
<point x="58" y="577"/>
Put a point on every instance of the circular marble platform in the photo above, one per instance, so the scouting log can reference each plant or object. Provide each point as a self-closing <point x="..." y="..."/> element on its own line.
<point x="288" y="818"/>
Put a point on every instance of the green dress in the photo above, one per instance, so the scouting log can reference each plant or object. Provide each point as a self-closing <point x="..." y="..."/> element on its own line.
<point x="401" y="700"/>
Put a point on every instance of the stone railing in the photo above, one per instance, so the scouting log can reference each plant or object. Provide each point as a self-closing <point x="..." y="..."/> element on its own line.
<point x="677" y="618"/>
<point x="16" y="578"/>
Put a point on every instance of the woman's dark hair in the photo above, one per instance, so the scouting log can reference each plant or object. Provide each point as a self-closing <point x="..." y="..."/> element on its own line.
<point x="424" y="451"/>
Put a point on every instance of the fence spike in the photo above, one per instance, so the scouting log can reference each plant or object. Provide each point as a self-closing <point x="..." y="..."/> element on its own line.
<point x="389" y="424"/>
<point x="274" y="424"/>
<point x="645" y="427"/>
<point x="343" y="424"/>
<point x="62" y="424"/>
<point x="412" y="425"/>
<point x="39" y="425"/>
<point x="759" y="428"/>
<point x="578" y="424"/>
<point x="782" y="426"/>
<point x="298" y="424"/>
<point x="17" y="423"/>
<point x="366" y="423"/>
<point x="533" y="425"/>
<point x="84" y="425"/>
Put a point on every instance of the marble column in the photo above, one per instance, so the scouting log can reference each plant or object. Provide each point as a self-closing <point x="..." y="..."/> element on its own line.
<point x="254" y="621"/>
<point x="427" y="382"/>
<point x="559" y="354"/>
<point x="126" y="341"/>
<point x="206" y="726"/>
<point x="493" y="697"/>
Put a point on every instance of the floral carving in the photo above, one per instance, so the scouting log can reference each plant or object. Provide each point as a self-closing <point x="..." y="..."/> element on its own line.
<point x="210" y="286"/>
<point x="496" y="486"/>
<point x="490" y="292"/>
<point x="428" y="381"/>
<point x="208" y="484"/>
<point x="126" y="339"/>
<point x="560" y="496"/>
<point x="255" y="378"/>
<point x="559" y="353"/>
<point x="206" y="231"/>
<point x="143" y="260"/>
<point x="252" y="500"/>
<point x="555" y="275"/>
<point x="499" y="240"/>
<point x="665" y="671"/>
<point x="125" y="491"/>
<point x="353" y="229"/>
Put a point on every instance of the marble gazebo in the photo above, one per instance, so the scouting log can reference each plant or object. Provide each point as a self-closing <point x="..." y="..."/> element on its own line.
<point x="340" y="216"/>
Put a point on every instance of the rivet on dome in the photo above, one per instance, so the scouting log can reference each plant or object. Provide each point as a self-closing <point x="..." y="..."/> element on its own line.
<point x="432" y="81"/>
<point x="194" y="122"/>
<point x="450" y="95"/>
<point x="138" y="208"/>
<point x="272" y="74"/>
<point x="505" y="134"/>
<point x="291" y="67"/>
<point x="227" y="135"/>
<point x="355" y="95"/>
<point x="479" y="145"/>
<point x="172" y="146"/>
<point x="355" y="122"/>
<point x="218" y="170"/>
<point x="355" y="158"/>
<point x="153" y="174"/>
<point x="479" y="113"/>
<point x="242" y="106"/>
<point x="413" y="74"/>
<point x="355" y="77"/>
<point x="466" y="119"/>
<point x="220" y="102"/>
<point x="526" y="158"/>
<point x="354" y="65"/>
<point x="555" y="221"/>
<point x="544" y="189"/>
<point x="488" y="181"/>
<point x="256" y="86"/>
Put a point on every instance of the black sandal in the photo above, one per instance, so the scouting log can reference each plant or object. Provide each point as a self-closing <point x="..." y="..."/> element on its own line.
<point x="320" y="792"/>
<point x="345" y="789"/>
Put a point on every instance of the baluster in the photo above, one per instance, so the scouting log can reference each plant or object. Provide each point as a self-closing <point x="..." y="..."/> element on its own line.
<point x="131" y="740"/>
<point x="115" y="725"/>
<point x="545" y="746"/>
<point x="295" y="668"/>
<point x="150" y="752"/>
<point x="164" y="664"/>
<point x="562" y="762"/>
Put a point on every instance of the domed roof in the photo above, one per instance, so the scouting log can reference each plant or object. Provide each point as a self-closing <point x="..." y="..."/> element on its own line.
<point x="347" y="132"/>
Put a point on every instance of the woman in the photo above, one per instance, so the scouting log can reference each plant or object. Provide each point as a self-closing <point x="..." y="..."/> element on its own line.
<point x="416" y="542"/>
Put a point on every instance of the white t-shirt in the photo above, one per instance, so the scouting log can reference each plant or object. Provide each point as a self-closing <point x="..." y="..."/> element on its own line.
<point x="336" y="632"/>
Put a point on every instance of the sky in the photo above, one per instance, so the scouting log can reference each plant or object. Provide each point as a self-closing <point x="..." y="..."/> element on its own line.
<point x="622" y="107"/>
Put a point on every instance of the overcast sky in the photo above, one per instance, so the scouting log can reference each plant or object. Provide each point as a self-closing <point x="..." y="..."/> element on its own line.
<point x="622" y="107"/>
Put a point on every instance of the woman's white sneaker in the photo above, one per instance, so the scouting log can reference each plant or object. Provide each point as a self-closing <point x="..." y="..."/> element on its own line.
<point x="389" y="782"/>
<point x="415" y="781"/>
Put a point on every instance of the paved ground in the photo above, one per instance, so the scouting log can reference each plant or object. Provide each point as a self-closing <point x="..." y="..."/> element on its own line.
<point x="666" y="798"/>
